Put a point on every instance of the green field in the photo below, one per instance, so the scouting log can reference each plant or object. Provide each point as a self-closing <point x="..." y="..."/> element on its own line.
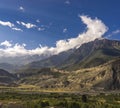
<point x="58" y="100"/>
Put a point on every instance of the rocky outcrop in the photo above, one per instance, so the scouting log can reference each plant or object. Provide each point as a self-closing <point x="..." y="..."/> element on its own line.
<point x="115" y="75"/>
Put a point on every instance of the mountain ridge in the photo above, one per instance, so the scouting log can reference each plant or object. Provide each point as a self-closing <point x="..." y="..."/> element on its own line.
<point x="6" y="78"/>
<point x="81" y="54"/>
<point x="102" y="77"/>
<point x="93" y="66"/>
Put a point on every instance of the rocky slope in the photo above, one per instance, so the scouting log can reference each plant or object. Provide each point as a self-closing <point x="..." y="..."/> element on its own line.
<point x="88" y="55"/>
<point x="93" y="54"/>
<point x="7" y="78"/>
<point x="103" y="77"/>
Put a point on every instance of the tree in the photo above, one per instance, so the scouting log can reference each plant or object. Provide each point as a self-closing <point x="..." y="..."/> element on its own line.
<point x="84" y="98"/>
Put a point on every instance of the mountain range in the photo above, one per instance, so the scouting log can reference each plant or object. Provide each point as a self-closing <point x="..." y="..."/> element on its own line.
<point x="89" y="54"/>
<point x="93" y="66"/>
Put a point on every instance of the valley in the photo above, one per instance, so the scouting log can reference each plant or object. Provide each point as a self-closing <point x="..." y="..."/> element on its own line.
<point x="94" y="73"/>
<point x="59" y="54"/>
<point x="81" y="70"/>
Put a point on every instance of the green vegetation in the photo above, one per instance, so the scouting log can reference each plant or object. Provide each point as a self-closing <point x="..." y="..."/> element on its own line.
<point x="58" y="100"/>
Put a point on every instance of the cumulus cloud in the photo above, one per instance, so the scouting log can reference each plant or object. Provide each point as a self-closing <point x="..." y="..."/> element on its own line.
<point x="17" y="50"/>
<point x="95" y="29"/>
<point x="26" y="25"/>
<point x="6" y="43"/>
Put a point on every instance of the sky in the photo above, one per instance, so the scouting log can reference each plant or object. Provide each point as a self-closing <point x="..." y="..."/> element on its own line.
<point x="29" y="27"/>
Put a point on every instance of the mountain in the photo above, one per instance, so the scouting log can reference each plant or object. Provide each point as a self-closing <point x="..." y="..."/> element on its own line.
<point x="53" y="61"/>
<point x="99" y="78"/>
<point x="9" y="67"/>
<point x="103" y="77"/>
<point x="94" y="66"/>
<point x="22" y="60"/>
<point x="42" y="78"/>
<point x="93" y="54"/>
<point x="12" y="64"/>
<point x="115" y="84"/>
<point x="6" y="78"/>
<point x="87" y="55"/>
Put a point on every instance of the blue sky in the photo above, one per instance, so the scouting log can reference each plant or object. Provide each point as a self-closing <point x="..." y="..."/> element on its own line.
<point x="47" y="21"/>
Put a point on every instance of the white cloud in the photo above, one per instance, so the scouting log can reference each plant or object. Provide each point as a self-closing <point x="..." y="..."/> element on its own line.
<point x="113" y="33"/>
<point x="27" y="25"/>
<point x="30" y="25"/>
<point x="9" y="24"/>
<point x="6" y="43"/>
<point x="41" y="29"/>
<point x="38" y="21"/>
<point x="95" y="29"/>
<point x="64" y="30"/>
<point x="18" y="22"/>
<point x="17" y="50"/>
<point x="17" y="29"/>
<point x="67" y="2"/>
<point x="116" y="31"/>
<point x="21" y="8"/>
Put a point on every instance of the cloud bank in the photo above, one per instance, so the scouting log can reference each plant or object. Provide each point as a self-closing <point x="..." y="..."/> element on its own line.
<point x="95" y="28"/>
